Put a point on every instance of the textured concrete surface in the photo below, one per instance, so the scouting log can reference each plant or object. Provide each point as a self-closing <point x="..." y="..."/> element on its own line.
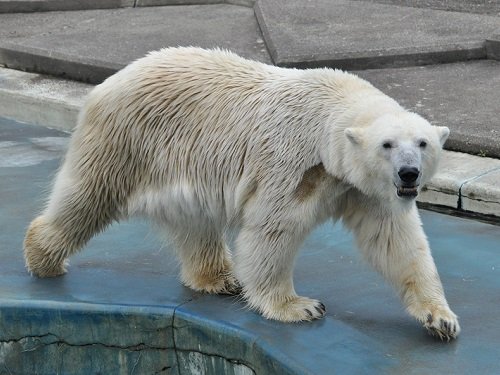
<point x="481" y="193"/>
<point x="41" y="100"/>
<point x="14" y="6"/>
<point x="463" y="96"/>
<point x="465" y="183"/>
<point x="26" y="6"/>
<point x="360" y="35"/>
<point x="125" y="281"/>
<point x="493" y="47"/>
<point x="91" y="45"/>
<point x="491" y="7"/>
<point x="48" y="337"/>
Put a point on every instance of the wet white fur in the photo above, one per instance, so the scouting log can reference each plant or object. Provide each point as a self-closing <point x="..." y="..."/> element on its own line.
<point x="201" y="141"/>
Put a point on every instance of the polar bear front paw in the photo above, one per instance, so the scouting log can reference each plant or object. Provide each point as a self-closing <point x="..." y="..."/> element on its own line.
<point x="294" y="309"/>
<point x="442" y="323"/>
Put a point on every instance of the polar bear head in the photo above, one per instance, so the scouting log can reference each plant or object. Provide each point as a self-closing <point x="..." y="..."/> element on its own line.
<point x="394" y="155"/>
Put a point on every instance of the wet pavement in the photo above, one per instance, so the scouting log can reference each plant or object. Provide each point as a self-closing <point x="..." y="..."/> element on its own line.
<point x="121" y="308"/>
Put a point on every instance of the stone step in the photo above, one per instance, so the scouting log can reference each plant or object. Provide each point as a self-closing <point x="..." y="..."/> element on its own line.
<point x="27" y="6"/>
<point x="41" y="100"/>
<point x="91" y="45"/>
<point x="491" y="7"/>
<point x="361" y="35"/>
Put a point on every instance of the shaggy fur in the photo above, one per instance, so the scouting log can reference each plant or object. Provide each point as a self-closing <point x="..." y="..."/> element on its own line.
<point x="202" y="141"/>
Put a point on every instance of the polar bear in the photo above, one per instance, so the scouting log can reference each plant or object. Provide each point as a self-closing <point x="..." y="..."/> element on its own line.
<point x="204" y="141"/>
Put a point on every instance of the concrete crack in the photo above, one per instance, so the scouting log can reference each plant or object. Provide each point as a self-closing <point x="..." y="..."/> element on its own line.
<point x="231" y="360"/>
<point x="177" y="350"/>
<point x="162" y="370"/>
<point x="31" y="343"/>
<point x="56" y="340"/>
<point x="173" y="333"/>
<point x="459" y="201"/>
<point x="470" y="180"/>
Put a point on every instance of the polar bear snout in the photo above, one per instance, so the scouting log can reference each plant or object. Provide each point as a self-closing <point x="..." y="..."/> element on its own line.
<point x="409" y="182"/>
<point x="409" y="175"/>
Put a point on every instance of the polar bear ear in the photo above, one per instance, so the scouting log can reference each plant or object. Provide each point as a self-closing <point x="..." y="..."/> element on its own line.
<point x="354" y="135"/>
<point x="443" y="133"/>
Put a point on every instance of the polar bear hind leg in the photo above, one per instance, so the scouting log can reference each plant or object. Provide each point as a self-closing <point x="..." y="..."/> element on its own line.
<point x="78" y="209"/>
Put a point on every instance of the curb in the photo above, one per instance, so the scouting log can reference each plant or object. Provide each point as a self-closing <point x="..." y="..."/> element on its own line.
<point x="69" y="5"/>
<point x="150" y="333"/>
<point x="493" y="47"/>
<point x="464" y="183"/>
<point x="41" y="100"/>
<point x="55" y="64"/>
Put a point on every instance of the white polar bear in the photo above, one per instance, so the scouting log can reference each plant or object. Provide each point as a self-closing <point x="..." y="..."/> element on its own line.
<point x="204" y="141"/>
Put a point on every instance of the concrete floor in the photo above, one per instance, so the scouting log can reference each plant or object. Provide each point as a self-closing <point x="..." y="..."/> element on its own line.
<point x="121" y="308"/>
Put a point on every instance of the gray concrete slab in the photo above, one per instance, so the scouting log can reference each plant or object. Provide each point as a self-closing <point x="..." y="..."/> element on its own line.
<point x="27" y="6"/>
<point x="149" y="3"/>
<point x="481" y="193"/>
<point x="463" y="96"/>
<point x="15" y="6"/>
<point x="360" y="35"/>
<point x="41" y="100"/>
<point x="91" y="45"/>
<point x="493" y="47"/>
<point x="465" y="183"/>
<point x="491" y="7"/>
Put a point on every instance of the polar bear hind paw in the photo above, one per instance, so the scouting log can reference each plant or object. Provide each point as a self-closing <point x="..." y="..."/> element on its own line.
<point x="44" y="250"/>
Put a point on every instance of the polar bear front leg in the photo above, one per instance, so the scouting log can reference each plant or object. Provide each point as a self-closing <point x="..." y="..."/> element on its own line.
<point x="264" y="262"/>
<point x="395" y="244"/>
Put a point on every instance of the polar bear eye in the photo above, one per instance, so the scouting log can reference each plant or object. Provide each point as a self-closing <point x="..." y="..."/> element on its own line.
<point x="387" y="145"/>
<point x="423" y="144"/>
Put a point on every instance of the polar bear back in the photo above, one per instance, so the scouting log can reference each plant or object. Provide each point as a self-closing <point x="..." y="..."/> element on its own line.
<point x="210" y="120"/>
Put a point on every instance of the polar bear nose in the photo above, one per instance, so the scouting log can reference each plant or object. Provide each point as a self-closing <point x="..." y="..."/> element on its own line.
<point x="408" y="174"/>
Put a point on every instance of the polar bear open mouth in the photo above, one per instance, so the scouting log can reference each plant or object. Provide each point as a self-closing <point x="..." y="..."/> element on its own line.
<point x="407" y="191"/>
